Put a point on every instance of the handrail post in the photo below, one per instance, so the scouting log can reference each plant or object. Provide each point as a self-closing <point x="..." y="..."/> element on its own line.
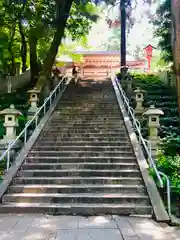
<point x="8" y="157"/>
<point x="25" y="135"/>
<point x="168" y="187"/>
<point x="50" y="100"/>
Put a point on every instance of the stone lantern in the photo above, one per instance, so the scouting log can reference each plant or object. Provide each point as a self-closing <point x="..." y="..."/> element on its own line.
<point x="153" y="115"/>
<point x="10" y="123"/>
<point x="139" y="97"/>
<point x="33" y="99"/>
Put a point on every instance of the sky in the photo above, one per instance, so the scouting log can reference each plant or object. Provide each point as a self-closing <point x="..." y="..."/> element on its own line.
<point x="140" y="35"/>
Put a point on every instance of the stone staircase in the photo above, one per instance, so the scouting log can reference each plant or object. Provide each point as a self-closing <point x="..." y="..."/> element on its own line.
<point x="82" y="162"/>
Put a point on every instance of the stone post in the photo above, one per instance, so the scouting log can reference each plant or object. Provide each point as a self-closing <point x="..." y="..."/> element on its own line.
<point x="139" y="97"/>
<point x="153" y="115"/>
<point x="33" y="99"/>
<point x="18" y="66"/>
<point x="129" y="83"/>
<point x="9" y="85"/>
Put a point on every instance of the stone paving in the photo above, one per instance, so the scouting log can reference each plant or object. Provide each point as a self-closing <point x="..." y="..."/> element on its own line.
<point x="41" y="227"/>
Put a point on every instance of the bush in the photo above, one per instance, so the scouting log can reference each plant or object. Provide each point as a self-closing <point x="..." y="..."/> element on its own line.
<point x="171" y="167"/>
<point x="171" y="145"/>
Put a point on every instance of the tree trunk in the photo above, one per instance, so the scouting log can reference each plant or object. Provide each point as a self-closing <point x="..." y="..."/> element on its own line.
<point x="63" y="9"/>
<point x="175" y="6"/>
<point x="23" y="47"/>
<point x="123" y="36"/>
<point x="178" y="87"/>
<point x="33" y="58"/>
<point x="12" y="66"/>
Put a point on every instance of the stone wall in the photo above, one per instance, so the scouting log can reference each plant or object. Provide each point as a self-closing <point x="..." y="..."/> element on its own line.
<point x="168" y="78"/>
<point x="16" y="81"/>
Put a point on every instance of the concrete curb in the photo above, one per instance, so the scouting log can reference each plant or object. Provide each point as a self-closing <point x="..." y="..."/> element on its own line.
<point x="159" y="210"/>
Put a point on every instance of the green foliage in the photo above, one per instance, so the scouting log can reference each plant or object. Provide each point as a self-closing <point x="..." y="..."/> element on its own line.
<point x="170" y="166"/>
<point x="162" y="97"/>
<point x="146" y="81"/>
<point x="68" y="50"/>
<point x="162" y="23"/>
<point x="171" y="145"/>
<point x="168" y="161"/>
<point x="39" y="21"/>
<point x="80" y="21"/>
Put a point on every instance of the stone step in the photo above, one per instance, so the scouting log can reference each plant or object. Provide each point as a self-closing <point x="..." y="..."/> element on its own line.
<point x="85" y="159"/>
<point x="80" y="165"/>
<point x="82" y="162"/>
<point x="86" y="123"/>
<point x="80" y="153"/>
<point x="87" y="112"/>
<point x="82" y="143"/>
<point x="82" y="138"/>
<point x="89" y="117"/>
<point x="91" y="96"/>
<point x="78" y="209"/>
<point x="89" y="102"/>
<point x="82" y="148"/>
<point x="83" y="108"/>
<point x="116" y="198"/>
<point x="77" y="188"/>
<point x="85" y="105"/>
<point x="79" y="172"/>
<point x="83" y="126"/>
<point x="83" y="131"/>
<point x="83" y="134"/>
<point x="78" y="180"/>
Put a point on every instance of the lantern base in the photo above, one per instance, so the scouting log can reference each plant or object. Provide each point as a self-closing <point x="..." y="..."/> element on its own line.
<point x="139" y="110"/>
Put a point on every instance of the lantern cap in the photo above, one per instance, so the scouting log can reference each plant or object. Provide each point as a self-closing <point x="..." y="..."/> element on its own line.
<point x="153" y="111"/>
<point x="139" y="90"/>
<point x="11" y="110"/>
<point x="34" y="90"/>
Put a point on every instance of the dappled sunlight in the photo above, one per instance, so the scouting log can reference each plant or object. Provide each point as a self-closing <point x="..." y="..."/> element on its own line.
<point x="105" y="227"/>
<point x="37" y="236"/>
<point x="149" y="229"/>
<point x="21" y="204"/>
<point x="100" y="220"/>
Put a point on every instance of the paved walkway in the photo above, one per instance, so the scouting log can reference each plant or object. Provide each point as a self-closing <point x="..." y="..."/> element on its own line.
<point x="41" y="227"/>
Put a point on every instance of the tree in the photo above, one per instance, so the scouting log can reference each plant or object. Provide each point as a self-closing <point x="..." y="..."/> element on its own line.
<point x="33" y="30"/>
<point x="33" y="22"/>
<point x="162" y="23"/>
<point x="75" y="15"/>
